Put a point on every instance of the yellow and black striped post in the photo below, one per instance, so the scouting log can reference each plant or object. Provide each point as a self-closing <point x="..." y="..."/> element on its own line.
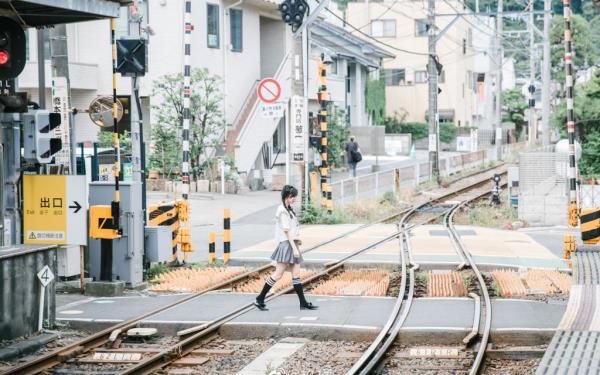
<point x="590" y="225"/>
<point x="212" y="239"/>
<point x="226" y="234"/>
<point x="115" y="209"/>
<point x="322" y="117"/>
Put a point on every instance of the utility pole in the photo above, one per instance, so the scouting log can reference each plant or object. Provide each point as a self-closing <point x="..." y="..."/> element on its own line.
<point x="498" y="120"/>
<point x="531" y="118"/>
<point x="432" y="73"/>
<point x="546" y="76"/>
<point x="298" y="90"/>
<point x="41" y="69"/>
<point x="136" y="128"/>
<point x="61" y="94"/>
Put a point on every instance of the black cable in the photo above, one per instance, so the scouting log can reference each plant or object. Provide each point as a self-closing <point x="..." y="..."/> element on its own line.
<point x="372" y="38"/>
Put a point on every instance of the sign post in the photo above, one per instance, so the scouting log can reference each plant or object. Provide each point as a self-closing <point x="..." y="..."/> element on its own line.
<point x="299" y="119"/>
<point x="45" y="276"/>
<point x="55" y="210"/>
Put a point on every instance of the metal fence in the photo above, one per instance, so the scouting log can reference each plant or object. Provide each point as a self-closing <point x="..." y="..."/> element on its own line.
<point x="589" y="196"/>
<point x="374" y="184"/>
<point x="543" y="188"/>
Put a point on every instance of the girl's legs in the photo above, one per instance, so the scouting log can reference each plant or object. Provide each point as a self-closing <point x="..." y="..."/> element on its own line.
<point x="271" y="280"/>
<point x="299" y="290"/>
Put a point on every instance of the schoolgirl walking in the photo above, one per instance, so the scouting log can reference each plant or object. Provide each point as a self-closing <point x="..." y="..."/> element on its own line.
<point x="287" y="255"/>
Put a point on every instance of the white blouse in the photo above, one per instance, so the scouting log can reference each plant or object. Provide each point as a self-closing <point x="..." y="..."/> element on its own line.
<point x="283" y="221"/>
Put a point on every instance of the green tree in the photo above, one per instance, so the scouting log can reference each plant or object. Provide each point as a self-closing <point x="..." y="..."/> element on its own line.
<point x="106" y="140"/>
<point x="339" y="132"/>
<point x="587" y="123"/>
<point x="514" y="106"/>
<point x="375" y="100"/>
<point x="206" y="123"/>
<point x="585" y="52"/>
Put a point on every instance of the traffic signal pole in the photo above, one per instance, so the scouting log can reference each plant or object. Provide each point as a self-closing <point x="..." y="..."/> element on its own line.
<point x="60" y="82"/>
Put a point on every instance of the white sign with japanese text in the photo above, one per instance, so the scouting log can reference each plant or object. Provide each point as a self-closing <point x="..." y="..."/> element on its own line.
<point x="60" y="104"/>
<point x="274" y="110"/>
<point x="54" y="210"/>
<point x="298" y="125"/>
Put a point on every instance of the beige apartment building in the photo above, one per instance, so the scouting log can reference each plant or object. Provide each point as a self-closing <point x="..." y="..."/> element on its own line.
<point x="467" y="86"/>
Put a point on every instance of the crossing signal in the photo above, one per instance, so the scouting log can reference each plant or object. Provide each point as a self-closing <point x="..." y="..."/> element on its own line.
<point x="12" y="48"/>
<point x="292" y="12"/>
<point x="38" y="141"/>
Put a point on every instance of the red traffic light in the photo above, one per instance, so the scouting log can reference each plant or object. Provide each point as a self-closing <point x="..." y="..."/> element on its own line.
<point x="4" y="57"/>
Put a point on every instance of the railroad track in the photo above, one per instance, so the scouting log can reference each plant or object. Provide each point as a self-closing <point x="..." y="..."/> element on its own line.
<point x="373" y="359"/>
<point x="162" y="359"/>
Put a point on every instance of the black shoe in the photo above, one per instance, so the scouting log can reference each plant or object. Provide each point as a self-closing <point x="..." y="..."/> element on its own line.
<point x="308" y="306"/>
<point x="261" y="306"/>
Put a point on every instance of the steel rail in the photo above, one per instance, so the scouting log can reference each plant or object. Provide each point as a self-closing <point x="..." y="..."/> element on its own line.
<point x="61" y="355"/>
<point x="486" y="303"/>
<point x="184" y="347"/>
<point x="373" y="356"/>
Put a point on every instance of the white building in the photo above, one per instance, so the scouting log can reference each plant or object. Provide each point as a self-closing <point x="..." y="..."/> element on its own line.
<point x="242" y="42"/>
<point x="464" y="50"/>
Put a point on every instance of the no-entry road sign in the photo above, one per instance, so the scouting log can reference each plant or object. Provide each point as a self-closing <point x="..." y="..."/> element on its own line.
<point x="269" y="90"/>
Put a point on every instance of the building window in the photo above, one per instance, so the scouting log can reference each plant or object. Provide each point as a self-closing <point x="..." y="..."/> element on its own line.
<point x="235" y="18"/>
<point x="394" y="77"/>
<point x="212" y="25"/>
<point x="421" y="27"/>
<point x="383" y="28"/>
<point x="421" y="76"/>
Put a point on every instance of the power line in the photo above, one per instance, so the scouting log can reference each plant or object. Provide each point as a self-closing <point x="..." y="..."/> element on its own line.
<point x="372" y="38"/>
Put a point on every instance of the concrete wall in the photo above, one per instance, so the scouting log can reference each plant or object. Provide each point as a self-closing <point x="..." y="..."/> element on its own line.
<point x="370" y="139"/>
<point x="20" y="289"/>
<point x="272" y="40"/>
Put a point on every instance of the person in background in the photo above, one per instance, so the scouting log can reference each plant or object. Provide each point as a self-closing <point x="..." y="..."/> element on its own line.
<point x="352" y="155"/>
<point x="287" y="255"/>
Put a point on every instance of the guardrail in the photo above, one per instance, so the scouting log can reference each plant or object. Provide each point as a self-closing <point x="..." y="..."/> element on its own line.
<point x="374" y="184"/>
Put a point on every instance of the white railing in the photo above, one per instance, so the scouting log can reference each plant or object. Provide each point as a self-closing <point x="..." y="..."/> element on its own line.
<point x="374" y="184"/>
<point x="251" y="136"/>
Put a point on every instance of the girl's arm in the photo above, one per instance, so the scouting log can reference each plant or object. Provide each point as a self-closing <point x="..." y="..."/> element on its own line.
<point x="291" y="240"/>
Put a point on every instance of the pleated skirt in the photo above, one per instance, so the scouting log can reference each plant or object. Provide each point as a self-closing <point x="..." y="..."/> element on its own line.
<point x="284" y="253"/>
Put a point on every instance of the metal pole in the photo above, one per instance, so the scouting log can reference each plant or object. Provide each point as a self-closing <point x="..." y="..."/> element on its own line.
<point x="546" y="76"/>
<point x="531" y="118"/>
<point x="433" y="94"/>
<point x="41" y="69"/>
<point x="60" y="72"/>
<point x="306" y="54"/>
<point x="323" y="101"/>
<point x="573" y="208"/>
<point x="498" y="120"/>
<point x="136" y="129"/>
<point x="184" y="231"/>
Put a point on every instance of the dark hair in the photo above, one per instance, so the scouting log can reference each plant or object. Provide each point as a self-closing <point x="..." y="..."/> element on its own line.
<point x="286" y="192"/>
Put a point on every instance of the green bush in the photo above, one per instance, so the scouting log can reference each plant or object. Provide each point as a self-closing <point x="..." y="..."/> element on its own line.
<point x="418" y="130"/>
<point x="447" y="132"/>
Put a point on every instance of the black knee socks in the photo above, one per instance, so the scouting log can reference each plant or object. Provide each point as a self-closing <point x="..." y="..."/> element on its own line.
<point x="268" y="285"/>
<point x="298" y="288"/>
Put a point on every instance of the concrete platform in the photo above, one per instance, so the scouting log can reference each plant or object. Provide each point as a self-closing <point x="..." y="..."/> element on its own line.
<point x="430" y="246"/>
<point x="349" y="318"/>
